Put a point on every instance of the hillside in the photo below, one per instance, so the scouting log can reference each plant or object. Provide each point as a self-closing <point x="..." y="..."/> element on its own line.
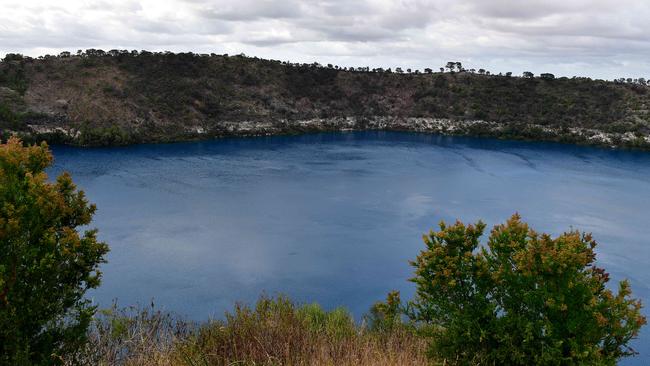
<point x="121" y="97"/>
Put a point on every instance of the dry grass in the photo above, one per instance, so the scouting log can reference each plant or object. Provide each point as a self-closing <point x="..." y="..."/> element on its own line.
<point x="274" y="332"/>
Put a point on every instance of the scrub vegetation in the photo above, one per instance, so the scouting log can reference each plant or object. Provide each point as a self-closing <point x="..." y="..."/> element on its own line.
<point x="525" y="298"/>
<point x="97" y="97"/>
<point x="273" y="332"/>
<point x="46" y="265"/>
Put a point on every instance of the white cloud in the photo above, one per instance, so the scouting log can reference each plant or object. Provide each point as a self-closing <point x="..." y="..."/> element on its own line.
<point x="600" y="38"/>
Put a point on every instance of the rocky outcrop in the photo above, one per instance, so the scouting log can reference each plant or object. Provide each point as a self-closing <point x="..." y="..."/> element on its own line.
<point x="411" y="124"/>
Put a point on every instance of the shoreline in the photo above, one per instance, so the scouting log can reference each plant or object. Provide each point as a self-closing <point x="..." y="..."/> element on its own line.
<point x="117" y="136"/>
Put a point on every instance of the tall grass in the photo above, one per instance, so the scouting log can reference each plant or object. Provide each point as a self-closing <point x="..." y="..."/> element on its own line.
<point x="275" y="331"/>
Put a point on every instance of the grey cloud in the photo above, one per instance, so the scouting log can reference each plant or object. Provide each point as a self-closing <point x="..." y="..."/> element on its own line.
<point x="594" y="37"/>
<point x="525" y="10"/>
<point x="336" y="8"/>
<point x="409" y="15"/>
<point x="244" y="10"/>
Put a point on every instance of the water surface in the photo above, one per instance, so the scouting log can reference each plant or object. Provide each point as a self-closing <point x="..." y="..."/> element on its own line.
<point x="335" y="218"/>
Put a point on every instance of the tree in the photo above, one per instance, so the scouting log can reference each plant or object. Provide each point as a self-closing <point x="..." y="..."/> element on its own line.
<point x="46" y="266"/>
<point x="547" y="76"/>
<point x="428" y="70"/>
<point x="523" y="299"/>
<point x="451" y="66"/>
<point x="528" y="74"/>
<point x="509" y="73"/>
<point x="481" y="71"/>
<point x="13" y="57"/>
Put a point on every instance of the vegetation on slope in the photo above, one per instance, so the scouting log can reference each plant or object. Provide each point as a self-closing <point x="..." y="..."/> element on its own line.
<point x="119" y="97"/>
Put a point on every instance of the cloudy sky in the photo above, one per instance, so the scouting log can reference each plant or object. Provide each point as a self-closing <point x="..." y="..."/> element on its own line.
<point x="597" y="38"/>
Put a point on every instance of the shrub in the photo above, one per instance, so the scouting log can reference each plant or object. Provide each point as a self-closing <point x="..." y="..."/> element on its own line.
<point x="314" y="317"/>
<point x="8" y="118"/>
<point x="46" y="266"/>
<point x="524" y="299"/>
<point x="336" y="324"/>
<point x="339" y="324"/>
<point x="276" y="331"/>
<point x="385" y="316"/>
<point x="132" y="336"/>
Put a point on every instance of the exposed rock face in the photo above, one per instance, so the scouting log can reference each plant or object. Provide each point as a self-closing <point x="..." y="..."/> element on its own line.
<point x="427" y="125"/>
<point x="411" y="124"/>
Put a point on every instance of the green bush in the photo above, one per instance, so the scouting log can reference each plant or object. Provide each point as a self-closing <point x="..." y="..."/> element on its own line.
<point x="339" y="324"/>
<point x="104" y="136"/>
<point x="8" y="118"/>
<point x="385" y="316"/>
<point x="313" y="316"/>
<point x="523" y="299"/>
<point x="46" y="266"/>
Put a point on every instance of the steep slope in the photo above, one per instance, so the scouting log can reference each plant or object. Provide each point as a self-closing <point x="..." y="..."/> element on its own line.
<point x="121" y="97"/>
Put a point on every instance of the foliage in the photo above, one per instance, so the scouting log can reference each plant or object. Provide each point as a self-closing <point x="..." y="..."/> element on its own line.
<point x="132" y="335"/>
<point x="524" y="299"/>
<point x="46" y="266"/>
<point x="9" y="118"/>
<point x="126" y="96"/>
<point x="385" y="316"/>
<point x="275" y="331"/>
<point x="104" y="136"/>
<point x="13" y="75"/>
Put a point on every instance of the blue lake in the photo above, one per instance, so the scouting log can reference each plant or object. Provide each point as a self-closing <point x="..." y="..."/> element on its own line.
<point x="335" y="218"/>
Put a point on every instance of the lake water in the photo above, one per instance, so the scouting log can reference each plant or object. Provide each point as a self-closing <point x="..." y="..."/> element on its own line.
<point x="335" y="218"/>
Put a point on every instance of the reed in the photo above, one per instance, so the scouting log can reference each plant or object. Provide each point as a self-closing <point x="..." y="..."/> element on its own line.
<point x="275" y="331"/>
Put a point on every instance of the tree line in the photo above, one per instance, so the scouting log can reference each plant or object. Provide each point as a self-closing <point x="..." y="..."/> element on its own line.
<point x="451" y="67"/>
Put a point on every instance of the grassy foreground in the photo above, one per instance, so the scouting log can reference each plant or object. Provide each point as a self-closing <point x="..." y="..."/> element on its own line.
<point x="274" y="332"/>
